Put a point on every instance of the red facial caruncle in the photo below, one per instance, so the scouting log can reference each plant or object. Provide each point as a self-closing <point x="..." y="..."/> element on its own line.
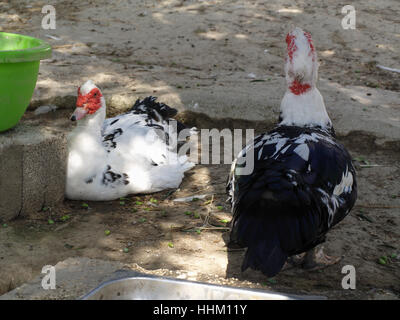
<point x="298" y="88"/>
<point x="310" y="42"/>
<point x="291" y="46"/>
<point x="91" y="101"/>
<point x="296" y="42"/>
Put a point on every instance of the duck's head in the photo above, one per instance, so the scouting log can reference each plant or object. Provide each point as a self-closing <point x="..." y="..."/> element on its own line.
<point x="88" y="102"/>
<point x="301" y="65"/>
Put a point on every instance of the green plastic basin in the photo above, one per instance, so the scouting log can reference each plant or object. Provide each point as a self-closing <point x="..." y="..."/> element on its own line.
<point x="19" y="66"/>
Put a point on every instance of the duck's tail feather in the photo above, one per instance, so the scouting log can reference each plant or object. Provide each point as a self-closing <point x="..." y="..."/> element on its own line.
<point x="264" y="247"/>
<point x="155" y="110"/>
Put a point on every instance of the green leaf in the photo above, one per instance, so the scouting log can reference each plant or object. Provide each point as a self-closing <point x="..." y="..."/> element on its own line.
<point x="170" y="244"/>
<point x="85" y="205"/>
<point x="139" y="203"/>
<point x="383" y="260"/>
<point x="152" y="200"/>
<point x="220" y="208"/>
<point x="142" y="220"/>
<point x="50" y="221"/>
<point x="196" y="215"/>
<point x="125" y="250"/>
<point x="188" y="213"/>
<point x="224" y="221"/>
<point x="122" y="203"/>
<point x="5" y="225"/>
<point x="107" y="232"/>
<point x="65" y="218"/>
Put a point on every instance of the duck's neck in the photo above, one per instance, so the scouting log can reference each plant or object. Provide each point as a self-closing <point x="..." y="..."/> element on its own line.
<point x="88" y="128"/>
<point x="306" y="109"/>
<point x="94" y="121"/>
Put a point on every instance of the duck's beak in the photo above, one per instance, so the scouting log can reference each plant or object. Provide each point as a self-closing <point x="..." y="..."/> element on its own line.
<point x="79" y="113"/>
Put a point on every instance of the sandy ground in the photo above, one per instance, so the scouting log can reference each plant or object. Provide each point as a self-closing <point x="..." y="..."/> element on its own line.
<point x="198" y="56"/>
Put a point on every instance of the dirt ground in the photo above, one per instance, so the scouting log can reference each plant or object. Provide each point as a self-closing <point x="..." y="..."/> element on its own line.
<point x="152" y="233"/>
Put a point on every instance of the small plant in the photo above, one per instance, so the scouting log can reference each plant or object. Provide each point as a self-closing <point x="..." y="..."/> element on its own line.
<point x="170" y="244"/>
<point x="85" y="205"/>
<point x="50" y="221"/>
<point x="383" y="260"/>
<point x="107" y="232"/>
<point x="65" y="217"/>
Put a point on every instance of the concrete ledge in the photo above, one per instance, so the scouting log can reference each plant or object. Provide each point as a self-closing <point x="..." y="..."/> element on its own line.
<point x="32" y="169"/>
<point x="75" y="277"/>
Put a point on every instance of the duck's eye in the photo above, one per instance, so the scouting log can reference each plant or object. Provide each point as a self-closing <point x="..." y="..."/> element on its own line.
<point x="95" y="94"/>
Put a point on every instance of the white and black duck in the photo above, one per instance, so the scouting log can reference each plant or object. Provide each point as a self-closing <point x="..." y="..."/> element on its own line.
<point x="303" y="182"/>
<point x="128" y="154"/>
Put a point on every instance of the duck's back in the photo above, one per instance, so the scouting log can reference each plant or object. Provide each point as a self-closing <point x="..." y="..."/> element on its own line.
<point x="302" y="184"/>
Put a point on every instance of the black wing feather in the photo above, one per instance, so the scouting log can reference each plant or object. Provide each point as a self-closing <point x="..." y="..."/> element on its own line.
<point x="278" y="210"/>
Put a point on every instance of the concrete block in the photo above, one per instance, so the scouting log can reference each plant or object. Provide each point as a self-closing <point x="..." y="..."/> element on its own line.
<point x="32" y="169"/>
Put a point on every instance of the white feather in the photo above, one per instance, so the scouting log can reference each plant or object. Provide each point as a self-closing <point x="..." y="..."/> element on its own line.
<point x="137" y="149"/>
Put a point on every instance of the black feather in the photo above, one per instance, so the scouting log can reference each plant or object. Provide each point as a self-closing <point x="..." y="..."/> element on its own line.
<point x="279" y="209"/>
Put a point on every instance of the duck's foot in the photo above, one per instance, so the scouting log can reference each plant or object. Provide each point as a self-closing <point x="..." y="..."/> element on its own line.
<point x="316" y="259"/>
<point x="294" y="262"/>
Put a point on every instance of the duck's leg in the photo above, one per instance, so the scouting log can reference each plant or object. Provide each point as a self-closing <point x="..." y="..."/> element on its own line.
<point x="315" y="259"/>
<point x="294" y="262"/>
